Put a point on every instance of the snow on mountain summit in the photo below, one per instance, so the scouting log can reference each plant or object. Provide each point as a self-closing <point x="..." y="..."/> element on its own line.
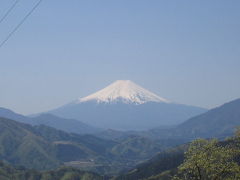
<point x="125" y="91"/>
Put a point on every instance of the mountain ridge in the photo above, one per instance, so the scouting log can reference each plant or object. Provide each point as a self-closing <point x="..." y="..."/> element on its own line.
<point x="68" y="125"/>
<point x="219" y="122"/>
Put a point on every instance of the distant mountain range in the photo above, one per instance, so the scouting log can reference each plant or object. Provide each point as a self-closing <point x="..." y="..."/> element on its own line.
<point x="124" y="105"/>
<point x="68" y="125"/>
<point x="7" y="113"/>
<point x="35" y="143"/>
<point x="219" y="122"/>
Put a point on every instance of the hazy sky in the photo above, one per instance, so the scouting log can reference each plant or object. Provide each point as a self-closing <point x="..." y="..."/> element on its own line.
<point x="186" y="51"/>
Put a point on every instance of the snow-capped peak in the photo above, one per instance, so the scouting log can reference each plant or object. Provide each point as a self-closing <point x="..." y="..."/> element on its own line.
<point x="124" y="91"/>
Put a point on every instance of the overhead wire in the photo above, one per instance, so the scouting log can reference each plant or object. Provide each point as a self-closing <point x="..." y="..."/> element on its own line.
<point x="9" y="11"/>
<point x="20" y="23"/>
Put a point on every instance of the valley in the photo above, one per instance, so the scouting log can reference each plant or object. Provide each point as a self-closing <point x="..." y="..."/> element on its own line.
<point x="108" y="152"/>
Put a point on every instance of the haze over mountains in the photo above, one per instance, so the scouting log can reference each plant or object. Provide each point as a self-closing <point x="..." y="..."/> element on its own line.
<point x="49" y="141"/>
<point x="68" y="125"/>
<point x="106" y="152"/>
<point x="125" y="105"/>
<point x="218" y="122"/>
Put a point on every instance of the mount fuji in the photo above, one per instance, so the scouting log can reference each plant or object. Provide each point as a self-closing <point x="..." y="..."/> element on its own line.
<point x="124" y="105"/>
<point x="124" y="91"/>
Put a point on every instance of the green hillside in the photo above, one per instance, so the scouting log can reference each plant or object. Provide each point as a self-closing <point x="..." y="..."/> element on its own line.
<point x="8" y="172"/>
<point x="43" y="148"/>
<point x="164" y="161"/>
<point x="19" y="145"/>
<point x="201" y="159"/>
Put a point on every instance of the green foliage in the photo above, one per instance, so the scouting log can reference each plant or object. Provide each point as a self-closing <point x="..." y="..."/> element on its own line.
<point x="166" y="175"/>
<point x="136" y="147"/>
<point x="209" y="160"/>
<point x="9" y="173"/>
<point x="237" y="132"/>
<point x="164" y="161"/>
<point x="200" y="160"/>
<point x="21" y="146"/>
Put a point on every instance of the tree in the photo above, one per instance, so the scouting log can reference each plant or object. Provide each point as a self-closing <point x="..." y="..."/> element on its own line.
<point x="208" y="160"/>
<point x="237" y="132"/>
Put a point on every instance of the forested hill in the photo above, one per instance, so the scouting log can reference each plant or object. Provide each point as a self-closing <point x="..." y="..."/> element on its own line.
<point x="209" y="159"/>
<point x="42" y="147"/>
<point x="8" y="172"/>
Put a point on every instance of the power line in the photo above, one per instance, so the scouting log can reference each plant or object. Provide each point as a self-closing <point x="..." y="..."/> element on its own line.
<point x="20" y="24"/>
<point x="9" y="11"/>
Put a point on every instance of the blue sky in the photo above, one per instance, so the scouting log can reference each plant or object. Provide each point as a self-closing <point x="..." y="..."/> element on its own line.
<point x="186" y="51"/>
